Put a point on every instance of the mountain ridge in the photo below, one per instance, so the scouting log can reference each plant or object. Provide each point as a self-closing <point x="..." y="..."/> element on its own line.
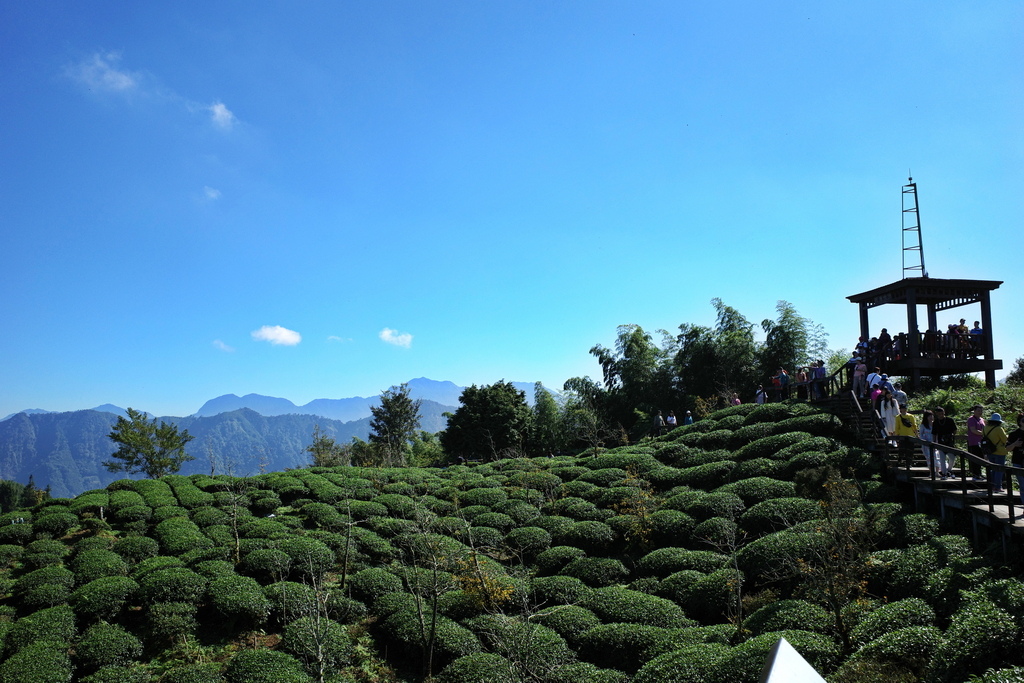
<point x="346" y="409"/>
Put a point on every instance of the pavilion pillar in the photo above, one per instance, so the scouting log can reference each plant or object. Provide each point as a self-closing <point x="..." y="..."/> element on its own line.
<point x="933" y="322"/>
<point x="987" y="344"/>
<point x="913" y="337"/>
<point x="865" y="329"/>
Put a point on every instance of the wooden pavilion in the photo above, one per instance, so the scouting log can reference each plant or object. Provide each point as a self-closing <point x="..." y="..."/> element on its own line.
<point x="933" y="352"/>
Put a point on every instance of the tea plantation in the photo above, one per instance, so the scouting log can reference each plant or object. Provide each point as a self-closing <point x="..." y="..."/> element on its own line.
<point x="683" y="558"/>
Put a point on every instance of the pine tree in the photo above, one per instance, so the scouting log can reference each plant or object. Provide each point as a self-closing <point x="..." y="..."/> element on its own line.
<point x="394" y="424"/>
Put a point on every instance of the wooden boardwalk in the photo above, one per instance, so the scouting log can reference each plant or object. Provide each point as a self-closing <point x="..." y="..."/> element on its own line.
<point x="991" y="514"/>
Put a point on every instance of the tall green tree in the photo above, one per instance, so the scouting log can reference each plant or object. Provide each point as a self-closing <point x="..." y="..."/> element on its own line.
<point x="1016" y="376"/>
<point x="491" y="422"/>
<point x="146" y="447"/>
<point x="394" y="424"/>
<point x="547" y="422"/>
<point x="791" y="340"/>
<point x="638" y="376"/>
<point x="326" y="452"/>
<point x="716" y="361"/>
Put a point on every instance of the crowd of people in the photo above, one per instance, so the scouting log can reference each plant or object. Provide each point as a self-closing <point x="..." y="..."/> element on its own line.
<point x="958" y="341"/>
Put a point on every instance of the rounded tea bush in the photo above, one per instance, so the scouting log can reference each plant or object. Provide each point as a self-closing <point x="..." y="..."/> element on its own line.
<point x="107" y="645"/>
<point x="671" y="527"/>
<point x="745" y="661"/>
<point x="568" y="620"/>
<point x="479" y="667"/>
<point x="47" y="587"/>
<point x="590" y="536"/>
<point x="596" y="571"/>
<point x="369" y="585"/>
<point x="95" y="564"/>
<point x="39" y="662"/>
<point x="451" y="639"/>
<point x="665" y="561"/>
<point x="716" y="532"/>
<point x="193" y="673"/>
<point x="624" y="646"/>
<point x="777" y="514"/>
<point x="307" y="637"/>
<point x="528" y="540"/>
<point x="265" y="666"/>
<point x="43" y="553"/>
<point x="53" y="624"/>
<point x="759" y="489"/>
<point x="55" y="524"/>
<point x="770" y="446"/>
<point x="239" y="597"/>
<point x="716" y="504"/>
<point x="622" y="605"/>
<point x="891" y="617"/>
<point x="103" y="598"/>
<point x="553" y="560"/>
<point x="789" y="614"/>
<point x="135" y="549"/>
<point x="693" y="664"/>
<point x="175" y="584"/>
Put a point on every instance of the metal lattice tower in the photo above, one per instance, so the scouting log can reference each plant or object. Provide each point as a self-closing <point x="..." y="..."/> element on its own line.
<point x="912" y="233"/>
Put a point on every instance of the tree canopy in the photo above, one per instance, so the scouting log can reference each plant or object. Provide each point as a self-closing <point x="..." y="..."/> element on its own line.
<point x="492" y="421"/>
<point x="146" y="447"/>
<point x="394" y="424"/>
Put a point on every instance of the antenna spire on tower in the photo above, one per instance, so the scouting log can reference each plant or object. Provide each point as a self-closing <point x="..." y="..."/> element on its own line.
<point x="912" y="229"/>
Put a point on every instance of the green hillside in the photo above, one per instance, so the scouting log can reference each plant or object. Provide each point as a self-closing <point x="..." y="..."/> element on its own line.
<point x="683" y="558"/>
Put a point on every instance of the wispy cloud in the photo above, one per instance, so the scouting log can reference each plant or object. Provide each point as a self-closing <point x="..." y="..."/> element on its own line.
<point x="218" y="344"/>
<point x="340" y="340"/>
<point x="211" y="193"/>
<point x="101" y="72"/>
<point x="390" y="336"/>
<point x="277" y="335"/>
<point x="221" y="116"/>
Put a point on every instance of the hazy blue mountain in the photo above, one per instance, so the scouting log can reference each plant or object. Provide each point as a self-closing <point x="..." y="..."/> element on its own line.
<point x="65" y="451"/>
<point x="344" y="409"/>
<point x="27" y="411"/>
<point x="264" y="405"/>
<point x="110" y="408"/>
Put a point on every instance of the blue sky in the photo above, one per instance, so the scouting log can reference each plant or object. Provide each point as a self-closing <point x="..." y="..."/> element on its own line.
<point x="322" y="199"/>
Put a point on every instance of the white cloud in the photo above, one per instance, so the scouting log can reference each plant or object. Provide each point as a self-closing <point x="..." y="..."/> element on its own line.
<point x="211" y="193"/>
<point x="390" y="336"/>
<point x="340" y="340"/>
<point x="100" y="73"/>
<point x="221" y="116"/>
<point x="277" y="335"/>
<point x="218" y="344"/>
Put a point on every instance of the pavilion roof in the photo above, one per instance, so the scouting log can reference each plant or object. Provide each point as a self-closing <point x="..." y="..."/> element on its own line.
<point x="939" y="292"/>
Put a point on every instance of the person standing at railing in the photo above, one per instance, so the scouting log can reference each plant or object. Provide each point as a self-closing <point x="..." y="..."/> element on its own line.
<point x="943" y="432"/>
<point x="1016" y="447"/>
<point x="905" y="429"/>
<point x="819" y="373"/>
<point x="997" y="437"/>
<point x="801" y="383"/>
<point x="975" y="425"/>
<point x="975" y="336"/>
<point x="925" y="432"/>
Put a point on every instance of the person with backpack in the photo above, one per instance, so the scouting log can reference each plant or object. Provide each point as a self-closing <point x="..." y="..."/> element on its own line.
<point x="994" y="442"/>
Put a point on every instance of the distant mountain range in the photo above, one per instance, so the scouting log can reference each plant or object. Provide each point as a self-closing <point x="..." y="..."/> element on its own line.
<point x="343" y="409"/>
<point x="241" y="435"/>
